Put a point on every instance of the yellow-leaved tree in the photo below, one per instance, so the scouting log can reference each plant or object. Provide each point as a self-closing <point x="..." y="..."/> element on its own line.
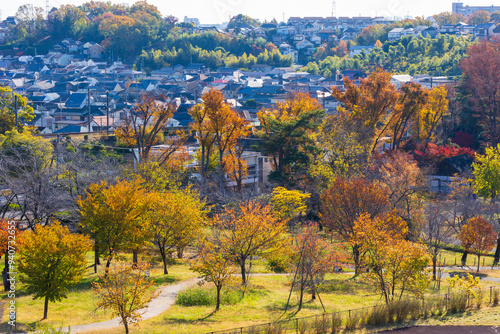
<point x="429" y="117"/>
<point x="114" y="216"/>
<point x="176" y="219"/>
<point x="51" y="259"/>
<point x="286" y="204"/>
<point x="125" y="291"/>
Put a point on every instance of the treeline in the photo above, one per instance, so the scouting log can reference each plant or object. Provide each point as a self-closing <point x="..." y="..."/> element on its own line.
<point x="156" y="59"/>
<point x="127" y="31"/>
<point x="412" y="55"/>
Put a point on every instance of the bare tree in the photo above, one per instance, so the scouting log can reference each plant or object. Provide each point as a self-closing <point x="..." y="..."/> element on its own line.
<point x="435" y="231"/>
<point x="33" y="185"/>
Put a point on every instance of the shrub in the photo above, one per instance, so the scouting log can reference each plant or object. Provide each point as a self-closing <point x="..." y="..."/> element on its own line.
<point x="321" y="324"/>
<point x="206" y="296"/>
<point x="457" y="302"/>
<point x="336" y="322"/>
<point x="378" y="316"/>
<point x="496" y="297"/>
<point x="354" y="320"/>
<point x="277" y="263"/>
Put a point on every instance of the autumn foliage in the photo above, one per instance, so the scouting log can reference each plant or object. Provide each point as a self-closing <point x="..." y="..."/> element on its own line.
<point x="478" y="237"/>
<point x="395" y="264"/>
<point x="345" y="201"/>
<point x="125" y="291"/>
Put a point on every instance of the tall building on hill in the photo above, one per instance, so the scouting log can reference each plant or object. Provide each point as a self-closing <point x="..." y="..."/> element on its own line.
<point x="459" y="8"/>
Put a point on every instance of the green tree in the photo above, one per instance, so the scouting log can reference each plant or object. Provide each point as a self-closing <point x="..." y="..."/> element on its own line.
<point x="8" y="106"/>
<point x="486" y="171"/>
<point x="50" y="260"/>
<point x="286" y="135"/>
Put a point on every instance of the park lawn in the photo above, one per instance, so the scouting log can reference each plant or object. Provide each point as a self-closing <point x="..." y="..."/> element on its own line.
<point x="79" y="307"/>
<point x="450" y="258"/>
<point x="264" y="302"/>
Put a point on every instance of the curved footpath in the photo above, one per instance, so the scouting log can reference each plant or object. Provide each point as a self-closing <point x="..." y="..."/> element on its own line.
<point x="160" y="304"/>
<point x="168" y="294"/>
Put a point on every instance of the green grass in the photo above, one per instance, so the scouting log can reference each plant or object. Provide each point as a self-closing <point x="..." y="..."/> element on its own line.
<point x="79" y="307"/>
<point x="451" y="258"/>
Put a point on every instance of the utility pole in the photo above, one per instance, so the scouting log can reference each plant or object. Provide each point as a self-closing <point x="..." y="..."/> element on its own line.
<point x="107" y="113"/>
<point x="15" y="108"/>
<point x="88" y="105"/>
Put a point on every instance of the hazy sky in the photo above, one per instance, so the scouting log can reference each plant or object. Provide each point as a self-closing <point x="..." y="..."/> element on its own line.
<point x="216" y="11"/>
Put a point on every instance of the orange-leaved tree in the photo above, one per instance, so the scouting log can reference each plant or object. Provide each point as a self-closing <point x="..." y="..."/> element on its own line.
<point x="125" y="291"/>
<point x="249" y="230"/>
<point x="215" y="264"/>
<point x="395" y="265"/>
<point x="145" y="127"/>
<point x="217" y="126"/>
<point x="114" y="216"/>
<point x="478" y="237"/>
<point x="311" y="257"/>
<point x="345" y="201"/>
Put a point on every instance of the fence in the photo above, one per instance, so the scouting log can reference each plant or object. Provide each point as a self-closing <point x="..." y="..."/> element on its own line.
<point x="374" y="316"/>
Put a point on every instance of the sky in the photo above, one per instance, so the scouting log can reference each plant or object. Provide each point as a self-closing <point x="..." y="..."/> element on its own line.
<point x="218" y="11"/>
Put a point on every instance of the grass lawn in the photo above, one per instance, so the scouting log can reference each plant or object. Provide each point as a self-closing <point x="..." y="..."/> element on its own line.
<point x="264" y="302"/>
<point x="79" y="307"/>
<point x="450" y="258"/>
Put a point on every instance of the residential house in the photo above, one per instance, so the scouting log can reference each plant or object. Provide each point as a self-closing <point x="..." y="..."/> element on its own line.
<point x="395" y="34"/>
<point x="92" y="50"/>
<point x="349" y="33"/>
<point x="484" y="31"/>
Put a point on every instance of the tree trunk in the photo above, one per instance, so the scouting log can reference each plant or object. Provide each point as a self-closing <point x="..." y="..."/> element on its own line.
<point x="180" y="252"/>
<point x="134" y="257"/>
<point x="96" y="258"/>
<point x="301" y="295"/>
<point x="496" y="259"/>
<point x="125" y="323"/>
<point x="355" y="253"/>
<point x="478" y="261"/>
<point x="106" y="270"/>
<point x="5" y="274"/>
<point x="243" y="271"/>
<point x="217" y="305"/>
<point x="464" y="257"/>
<point x="164" y="259"/>
<point x="434" y="265"/>
<point x="45" y="307"/>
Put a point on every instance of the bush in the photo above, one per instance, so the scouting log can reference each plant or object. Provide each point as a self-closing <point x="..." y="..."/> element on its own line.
<point x="457" y="302"/>
<point x="496" y="297"/>
<point x="277" y="263"/>
<point x="401" y="310"/>
<point x="336" y="323"/>
<point x="354" y="320"/>
<point x="206" y="296"/>
<point x="322" y="325"/>
<point x="378" y="316"/>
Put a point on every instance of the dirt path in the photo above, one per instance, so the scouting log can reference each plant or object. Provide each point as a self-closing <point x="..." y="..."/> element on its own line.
<point x="160" y="304"/>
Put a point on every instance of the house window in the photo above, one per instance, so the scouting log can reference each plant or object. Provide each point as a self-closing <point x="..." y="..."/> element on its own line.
<point x="265" y="159"/>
